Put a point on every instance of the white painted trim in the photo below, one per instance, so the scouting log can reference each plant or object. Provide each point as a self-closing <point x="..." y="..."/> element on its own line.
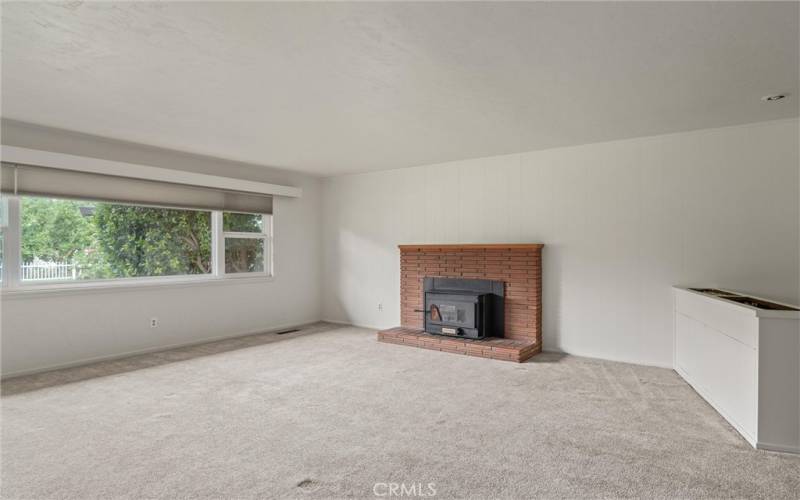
<point x="269" y="228"/>
<point x="554" y="351"/>
<point x="14" y="154"/>
<point x="347" y="323"/>
<point x="607" y="358"/>
<point x="264" y="236"/>
<point x="131" y="284"/>
<point x="128" y="354"/>
<point x="777" y="447"/>
<point x="761" y="313"/>
<point x="217" y="244"/>
<point x="12" y="246"/>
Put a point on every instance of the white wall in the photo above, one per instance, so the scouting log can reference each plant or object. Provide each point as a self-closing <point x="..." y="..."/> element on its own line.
<point x="67" y="328"/>
<point x="623" y="221"/>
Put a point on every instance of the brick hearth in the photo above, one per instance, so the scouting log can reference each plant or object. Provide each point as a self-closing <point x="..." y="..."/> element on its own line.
<point x="495" y="348"/>
<point x="518" y="265"/>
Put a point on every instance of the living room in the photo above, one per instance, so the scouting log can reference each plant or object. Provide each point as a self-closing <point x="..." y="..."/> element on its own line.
<point x="400" y="249"/>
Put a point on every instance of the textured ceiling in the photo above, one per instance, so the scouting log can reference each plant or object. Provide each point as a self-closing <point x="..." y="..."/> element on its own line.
<point x="330" y="88"/>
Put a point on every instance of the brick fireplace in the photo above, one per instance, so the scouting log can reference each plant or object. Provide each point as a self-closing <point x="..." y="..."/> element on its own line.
<point x="518" y="266"/>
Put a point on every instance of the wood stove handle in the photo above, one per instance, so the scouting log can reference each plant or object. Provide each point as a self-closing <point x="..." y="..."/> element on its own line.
<point x="430" y="312"/>
<point x="425" y="311"/>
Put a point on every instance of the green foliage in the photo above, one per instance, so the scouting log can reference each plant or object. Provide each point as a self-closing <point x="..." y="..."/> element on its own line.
<point x="116" y="241"/>
<point x="145" y="241"/>
<point x="54" y="231"/>
<point x="241" y="223"/>
<point x="243" y="255"/>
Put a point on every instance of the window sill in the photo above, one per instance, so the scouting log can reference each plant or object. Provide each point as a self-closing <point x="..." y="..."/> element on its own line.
<point x="53" y="289"/>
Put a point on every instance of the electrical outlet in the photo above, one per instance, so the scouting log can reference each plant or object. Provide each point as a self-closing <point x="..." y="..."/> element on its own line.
<point x="380" y="306"/>
<point x="153" y="322"/>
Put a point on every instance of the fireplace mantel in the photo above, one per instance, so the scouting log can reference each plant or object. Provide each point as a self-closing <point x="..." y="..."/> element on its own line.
<point x="473" y="246"/>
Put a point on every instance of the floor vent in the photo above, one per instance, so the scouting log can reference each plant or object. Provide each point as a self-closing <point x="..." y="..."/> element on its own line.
<point x="284" y="332"/>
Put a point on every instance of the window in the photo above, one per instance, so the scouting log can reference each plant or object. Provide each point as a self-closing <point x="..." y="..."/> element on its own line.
<point x="76" y="240"/>
<point x="64" y="240"/>
<point x="247" y="244"/>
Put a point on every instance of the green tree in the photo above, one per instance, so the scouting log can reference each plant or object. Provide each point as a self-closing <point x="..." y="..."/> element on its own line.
<point x="108" y="240"/>
<point x="54" y="231"/>
<point x="241" y="223"/>
<point x="145" y="241"/>
<point x="243" y="254"/>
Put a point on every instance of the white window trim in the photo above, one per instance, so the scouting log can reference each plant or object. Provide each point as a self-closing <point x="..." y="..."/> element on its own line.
<point x="12" y="245"/>
<point x="13" y="287"/>
<point x="126" y="284"/>
<point x="265" y="235"/>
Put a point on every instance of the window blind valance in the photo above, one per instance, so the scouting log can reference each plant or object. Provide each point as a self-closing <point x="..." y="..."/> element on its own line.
<point x="19" y="179"/>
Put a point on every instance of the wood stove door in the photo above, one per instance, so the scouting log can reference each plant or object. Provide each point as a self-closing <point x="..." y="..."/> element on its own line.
<point x="450" y="316"/>
<point x="457" y="314"/>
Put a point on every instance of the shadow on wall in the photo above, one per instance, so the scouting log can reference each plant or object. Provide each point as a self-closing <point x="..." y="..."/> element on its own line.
<point x="367" y="275"/>
<point x="551" y="297"/>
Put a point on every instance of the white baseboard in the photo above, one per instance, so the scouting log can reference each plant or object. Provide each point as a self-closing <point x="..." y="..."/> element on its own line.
<point x="616" y="360"/>
<point x="347" y="323"/>
<point x="337" y="322"/>
<point x="137" y="352"/>
<point x="777" y="447"/>
<point x="557" y="351"/>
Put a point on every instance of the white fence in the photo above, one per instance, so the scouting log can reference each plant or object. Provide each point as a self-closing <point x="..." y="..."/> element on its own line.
<point x="43" y="270"/>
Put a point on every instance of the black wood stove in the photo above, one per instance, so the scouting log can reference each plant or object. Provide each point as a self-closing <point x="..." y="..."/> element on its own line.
<point x="469" y="308"/>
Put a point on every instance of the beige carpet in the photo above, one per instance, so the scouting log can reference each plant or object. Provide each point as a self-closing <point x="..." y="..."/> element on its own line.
<point x="329" y="412"/>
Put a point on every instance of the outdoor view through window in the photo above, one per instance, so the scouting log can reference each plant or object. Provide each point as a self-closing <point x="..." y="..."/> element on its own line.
<point x="245" y="243"/>
<point x="81" y="240"/>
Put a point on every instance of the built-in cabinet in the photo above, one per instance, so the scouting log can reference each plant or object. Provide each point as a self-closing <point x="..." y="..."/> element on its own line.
<point x="745" y="361"/>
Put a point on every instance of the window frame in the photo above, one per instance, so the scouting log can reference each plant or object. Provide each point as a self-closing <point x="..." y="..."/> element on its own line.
<point x="12" y="284"/>
<point x="265" y="235"/>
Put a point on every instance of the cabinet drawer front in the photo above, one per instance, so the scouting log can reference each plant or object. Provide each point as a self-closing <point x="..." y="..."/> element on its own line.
<point x="732" y="320"/>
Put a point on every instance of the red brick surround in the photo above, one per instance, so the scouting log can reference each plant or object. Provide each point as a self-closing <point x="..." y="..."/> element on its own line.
<point x="495" y="348"/>
<point x="518" y="265"/>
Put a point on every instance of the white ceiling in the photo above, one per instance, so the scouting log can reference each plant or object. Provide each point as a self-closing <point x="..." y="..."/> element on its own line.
<point x="330" y="88"/>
